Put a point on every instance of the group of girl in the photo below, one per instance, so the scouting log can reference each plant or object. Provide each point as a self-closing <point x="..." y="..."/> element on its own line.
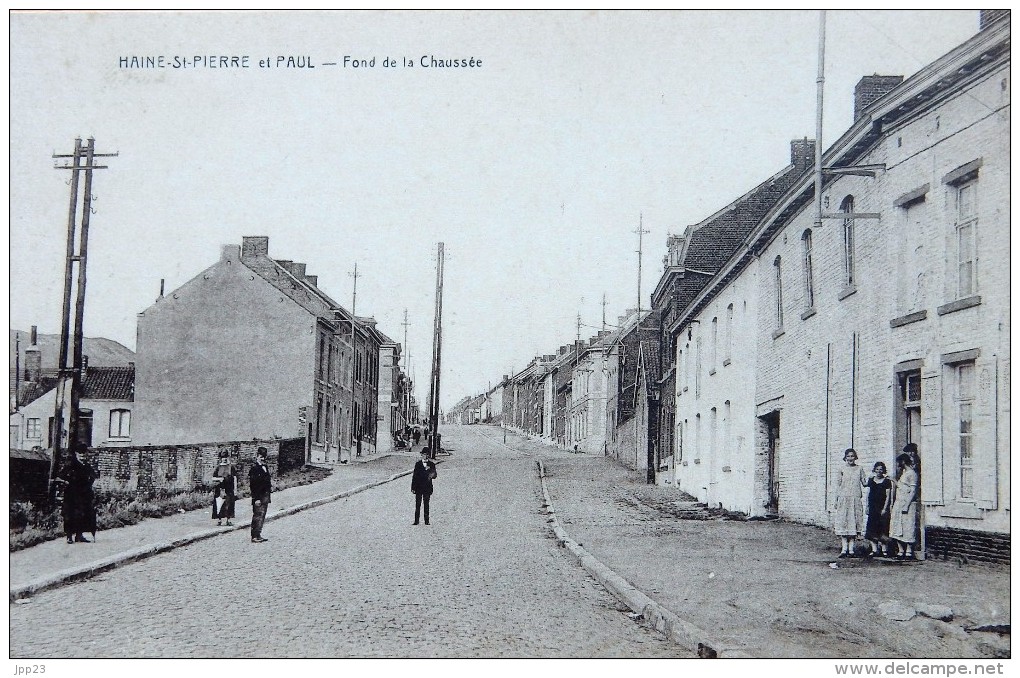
<point x="892" y="506"/>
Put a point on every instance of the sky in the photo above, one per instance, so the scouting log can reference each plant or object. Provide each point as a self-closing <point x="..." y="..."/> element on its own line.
<point x="534" y="169"/>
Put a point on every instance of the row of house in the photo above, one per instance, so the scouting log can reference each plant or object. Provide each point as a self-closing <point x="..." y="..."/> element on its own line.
<point x="249" y="349"/>
<point x="777" y="337"/>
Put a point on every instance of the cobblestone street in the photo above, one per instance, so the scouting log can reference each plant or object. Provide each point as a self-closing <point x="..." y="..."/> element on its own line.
<point x="354" y="578"/>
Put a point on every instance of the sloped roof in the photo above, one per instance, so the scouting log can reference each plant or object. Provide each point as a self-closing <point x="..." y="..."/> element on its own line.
<point x="30" y="391"/>
<point x="713" y="241"/>
<point x="101" y="351"/>
<point x="109" y="383"/>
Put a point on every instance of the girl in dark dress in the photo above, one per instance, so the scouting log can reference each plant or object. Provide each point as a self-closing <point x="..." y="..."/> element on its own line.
<point x="879" y="500"/>
<point x="224" y="495"/>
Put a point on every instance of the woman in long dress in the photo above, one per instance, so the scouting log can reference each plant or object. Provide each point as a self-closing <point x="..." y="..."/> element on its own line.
<point x="849" y="511"/>
<point x="880" y="491"/>
<point x="903" y="526"/>
<point x="224" y="495"/>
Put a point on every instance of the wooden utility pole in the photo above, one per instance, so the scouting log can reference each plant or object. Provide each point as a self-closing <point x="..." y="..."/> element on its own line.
<point x="64" y="431"/>
<point x="437" y="352"/>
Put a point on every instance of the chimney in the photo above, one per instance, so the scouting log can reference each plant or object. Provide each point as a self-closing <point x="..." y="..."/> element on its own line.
<point x="802" y="153"/>
<point x="33" y="362"/>
<point x="297" y="270"/>
<point x="674" y="244"/>
<point x="230" y="253"/>
<point x="84" y="365"/>
<point x="162" y="287"/>
<point x="254" y="246"/>
<point x="870" y="89"/>
<point x="312" y="280"/>
<point x="990" y="16"/>
<point x="35" y="334"/>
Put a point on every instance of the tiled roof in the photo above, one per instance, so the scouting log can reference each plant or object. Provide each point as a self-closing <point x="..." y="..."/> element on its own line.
<point x="30" y="391"/>
<point x="109" y="383"/>
<point x="713" y="241"/>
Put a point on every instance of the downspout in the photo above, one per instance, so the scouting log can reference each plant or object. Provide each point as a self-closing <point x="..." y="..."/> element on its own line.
<point x="828" y="392"/>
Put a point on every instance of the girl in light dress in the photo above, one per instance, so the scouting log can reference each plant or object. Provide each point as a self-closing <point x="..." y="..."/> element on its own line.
<point x="849" y="509"/>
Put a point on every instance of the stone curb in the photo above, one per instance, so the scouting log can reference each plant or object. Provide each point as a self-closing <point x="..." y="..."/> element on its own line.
<point x="93" y="569"/>
<point x="653" y="614"/>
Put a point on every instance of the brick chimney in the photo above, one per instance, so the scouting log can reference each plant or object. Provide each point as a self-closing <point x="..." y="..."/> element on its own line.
<point x="990" y="16"/>
<point x="254" y="246"/>
<point x="870" y="89"/>
<point x="312" y="280"/>
<point x="33" y="359"/>
<point x="802" y="153"/>
<point x="227" y="253"/>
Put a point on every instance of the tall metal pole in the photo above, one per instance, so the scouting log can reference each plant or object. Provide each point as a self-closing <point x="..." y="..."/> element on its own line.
<point x="640" y="231"/>
<point x="354" y="357"/>
<point x="818" y="119"/>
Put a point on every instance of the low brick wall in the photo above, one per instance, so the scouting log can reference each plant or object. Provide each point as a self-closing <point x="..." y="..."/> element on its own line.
<point x="178" y="468"/>
<point x="950" y="542"/>
<point x="292" y="454"/>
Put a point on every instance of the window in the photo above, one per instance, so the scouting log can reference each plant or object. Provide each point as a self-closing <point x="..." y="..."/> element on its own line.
<point x="847" y="206"/>
<point x="728" y="340"/>
<point x="966" y="243"/>
<point x="319" y="419"/>
<point x="323" y="349"/>
<point x="715" y="341"/>
<point x="687" y="365"/>
<point x="809" y="282"/>
<point x="120" y="423"/>
<point x="680" y="371"/>
<point x="32" y="429"/>
<point x="965" y="384"/>
<point x="778" y="266"/>
<point x="697" y="369"/>
<point x="171" y="465"/>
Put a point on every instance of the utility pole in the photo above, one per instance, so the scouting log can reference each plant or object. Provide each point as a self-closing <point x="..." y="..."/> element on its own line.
<point x="354" y="357"/>
<point x="820" y="81"/>
<point x="17" y="368"/>
<point x="68" y="392"/>
<point x="407" y="356"/>
<point x="437" y="352"/>
<point x="640" y="232"/>
<point x="579" y="327"/>
<point x="604" y="310"/>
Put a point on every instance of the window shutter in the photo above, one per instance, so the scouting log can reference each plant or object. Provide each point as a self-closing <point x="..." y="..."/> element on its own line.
<point x="986" y="456"/>
<point x="931" y="452"/>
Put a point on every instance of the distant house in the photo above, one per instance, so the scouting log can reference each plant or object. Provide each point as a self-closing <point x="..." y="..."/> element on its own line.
<point x="251" y="348"/>
<point x="106" y="405"/>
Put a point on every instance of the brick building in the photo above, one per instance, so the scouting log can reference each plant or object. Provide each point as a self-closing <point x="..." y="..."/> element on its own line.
<point x="251" y="348"/>
<point x="628" y="437"/>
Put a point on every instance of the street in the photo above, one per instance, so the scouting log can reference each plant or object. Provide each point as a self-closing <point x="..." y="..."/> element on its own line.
<point x="354" y="578"/>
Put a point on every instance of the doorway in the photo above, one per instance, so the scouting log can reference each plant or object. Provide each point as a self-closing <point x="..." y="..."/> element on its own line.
<point x="770" y="423"/>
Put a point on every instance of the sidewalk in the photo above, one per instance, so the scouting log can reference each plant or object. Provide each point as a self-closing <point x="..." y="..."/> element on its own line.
<point x="56" y="562"/>
<point x="763" y="588"/>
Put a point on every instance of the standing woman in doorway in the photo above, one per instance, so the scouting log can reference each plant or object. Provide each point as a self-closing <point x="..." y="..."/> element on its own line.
<point x="904" y="510"/>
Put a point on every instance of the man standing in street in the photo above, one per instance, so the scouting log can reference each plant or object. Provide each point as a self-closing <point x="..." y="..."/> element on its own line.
<point x="260" y="483"/>
<point x="421" y="483"/>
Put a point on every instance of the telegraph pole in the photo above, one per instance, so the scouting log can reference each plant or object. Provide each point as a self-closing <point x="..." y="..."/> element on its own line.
<point x="354" y="356"/>
<point x="68" y="391"/>
<point x="406" y="400"/>
<point x="437" y="351"/>
<point x="640" y="232"/>
<point x="604" y="310"/>
<point x="17" y="368"/>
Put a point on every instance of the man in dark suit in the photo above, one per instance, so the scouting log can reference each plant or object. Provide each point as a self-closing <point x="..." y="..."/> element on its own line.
<point x="421" y="483"/>
<point x="261" y="485"/>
